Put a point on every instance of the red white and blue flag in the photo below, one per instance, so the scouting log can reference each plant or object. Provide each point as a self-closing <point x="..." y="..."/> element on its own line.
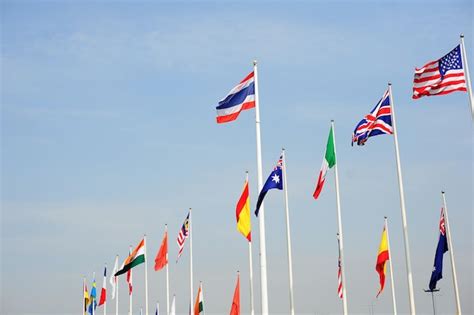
<point x="240" y="98"/>
<point x="441" y="76"/>
<point x="103" y="292"/>
<point x="182" y="236"/>
<point x="377" y="122"/>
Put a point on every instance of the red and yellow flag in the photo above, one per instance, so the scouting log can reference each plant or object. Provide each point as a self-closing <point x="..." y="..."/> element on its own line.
<point x="242" y="213"/>
<point x="382" y="257"/>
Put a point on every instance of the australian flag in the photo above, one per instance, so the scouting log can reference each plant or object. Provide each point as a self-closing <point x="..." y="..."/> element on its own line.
<point x="275" y="180"/>
<point x="442" y="248"/>
<point x="377" y="122"/>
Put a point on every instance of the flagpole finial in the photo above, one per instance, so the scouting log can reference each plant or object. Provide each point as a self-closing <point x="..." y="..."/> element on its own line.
<point x="283" y="149"/>
<point x="255" y="62"/>
<point x="462" y="35"/>
<point x="442" y="192"/>
<point x="389" y="83"/>
<point x="385" y="217"/>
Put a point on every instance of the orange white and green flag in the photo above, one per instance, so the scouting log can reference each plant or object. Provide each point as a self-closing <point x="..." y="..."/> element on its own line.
<point x="382" y="257"/>
<point x="136" y="257"/>
<point x="242" y="213"/>
<point x="199" y="305"/>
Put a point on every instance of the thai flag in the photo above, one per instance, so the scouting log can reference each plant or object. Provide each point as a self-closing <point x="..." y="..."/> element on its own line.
<point x="377" y="122"/>
<point x="240" y="98"/>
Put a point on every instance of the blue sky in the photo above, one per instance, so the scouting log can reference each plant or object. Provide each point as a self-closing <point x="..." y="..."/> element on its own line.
<point x="108" y="132"/>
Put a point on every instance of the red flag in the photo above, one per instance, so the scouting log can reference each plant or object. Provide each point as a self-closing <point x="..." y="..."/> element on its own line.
<point x="162" y="257"/>
<point x="235" y="309"/>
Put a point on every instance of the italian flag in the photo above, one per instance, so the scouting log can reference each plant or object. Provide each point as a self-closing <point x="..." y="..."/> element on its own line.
<point x="199" y="305"/>
<point x="328" y="162"/>
<point x="135" y="258"/>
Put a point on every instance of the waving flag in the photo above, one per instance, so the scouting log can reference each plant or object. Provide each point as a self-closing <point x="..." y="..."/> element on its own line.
<point x="442" y="248"/>
<point x="240" y="98"/>
<point x="339" y="271"/>
<point x="86" y="297"/>
<point x="199" y="305"/>
<point x="235" y="308"/>
<point x="275" y="180"/>
<point x="93" y="297"/>
<point x="328" y="162"/>
<point x="377" y="122"/>
<point x="382" y="257"/>
<point x="242" y="213"/>
<point x="103" y="292"/>
<point x="182" y="236"/>
<point x="136" y="257"/>
<point x="113" y="279"/>
<point x="442" y="76"/>
<point x="162" y="257"/>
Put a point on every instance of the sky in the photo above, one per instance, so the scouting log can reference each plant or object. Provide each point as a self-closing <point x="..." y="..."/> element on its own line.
<point x="108" y="133"/>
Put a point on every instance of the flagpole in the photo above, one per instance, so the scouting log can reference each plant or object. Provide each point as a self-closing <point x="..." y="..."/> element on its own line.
<point x="263" y="250"/>
<point x="92" y="299"/>
<point x="391" y="268"/>
<point x="157" y="308"/>
<point x="105" y="282"/>
<point x="84" y="306"/>
<point x="402" y="205"/>
<point x="116" y="292"/>
<point x="451" y="252"/>
<point x="288" y="237"/>
<point x="190" y="257"/>
<point x="252" y="312"/>
<point x="167" y="275"/>
<point x="146" y="277"/>
<point x="466" y="74"/>
<point x="130" y="294"/>
<point x="339" y="223"/>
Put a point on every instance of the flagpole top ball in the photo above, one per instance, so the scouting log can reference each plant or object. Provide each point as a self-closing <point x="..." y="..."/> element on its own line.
<point x="255" y="62"/>
<point x="389" y="83"/>
<point x="462" y="35"/>
<point x="442" y="192"/>
<point x="332" y="120"/>
<point x="385" y="217"/>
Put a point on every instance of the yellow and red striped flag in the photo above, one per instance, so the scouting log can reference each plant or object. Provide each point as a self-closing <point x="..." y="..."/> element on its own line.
<point x="242" y="213"/>
<point x="382" y="257"/>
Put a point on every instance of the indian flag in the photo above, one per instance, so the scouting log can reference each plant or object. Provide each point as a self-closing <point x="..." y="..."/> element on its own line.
<point x="199" y="305"/>
<point x="135" y="258"/>
<point x="328" y="162"/>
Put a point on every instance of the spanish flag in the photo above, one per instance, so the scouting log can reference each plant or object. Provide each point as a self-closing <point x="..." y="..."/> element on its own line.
<point x="382" y="257"/>
<point x="242" y="213"/>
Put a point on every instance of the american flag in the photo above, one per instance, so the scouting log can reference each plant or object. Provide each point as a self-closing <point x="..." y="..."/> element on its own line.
<point x="441" y="76"/>
<point x="377" y="122"/>
<point x="182" y="236"/>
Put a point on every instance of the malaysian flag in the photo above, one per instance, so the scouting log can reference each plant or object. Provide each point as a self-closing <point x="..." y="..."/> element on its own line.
<point x="377" y="122"/>
<point x="182" y="236"/>
<point x="441" y="76"/>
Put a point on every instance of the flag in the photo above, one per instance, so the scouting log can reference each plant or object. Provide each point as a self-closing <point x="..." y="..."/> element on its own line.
<point x="199" y="305"/>
<point x="129" y="277"/>
<point x="162" y="257"/>
<point x="442" y="248"/>
<point x="93" y="295"/>
<point x="182" y="236"/>
<point x="86" y="297"/>
<point x="328" y="162"/>
<point x="113" y="279"/>
<point x="241" y="97"/>
<point x="136" y="257"/>
<point x="235" y="308"/>
<point x="242" y="213"/>
<point x="441" y="76"/>
<point x="103" y="292"/>
<point x="275" y="180"/>
<point x="173" y="306"/>
<point x="377" y="122"/>
<point x="339" y="271"/>
<point x="382" y="256"/>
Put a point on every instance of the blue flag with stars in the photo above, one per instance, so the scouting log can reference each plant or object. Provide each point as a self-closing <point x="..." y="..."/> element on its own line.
<point x="275" y="180"/>
<point x="437" y="273"/>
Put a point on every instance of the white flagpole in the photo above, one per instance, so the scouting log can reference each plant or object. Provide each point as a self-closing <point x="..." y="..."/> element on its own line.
<point x="466" y="74"/>
<point x="402" y="205"/>
<point x="288" y="237"/>
<point x="339" y="223"/>
<point x="392" y="283"/>
<point x="451" y="253"/>
<point x="252" y="311"/>
<point x="84" y="293"/>
<point x="92" y="299"/>
<point x="116" y="293"/>
<point x="130" y="294"/>
<point x="158" y="308"/>
<point x="261" y="214"/>
<point x="167" y="275"/>
<point x="146" y="277"/>
<point x="105" y="283"/>
<point x="190" y="257"/>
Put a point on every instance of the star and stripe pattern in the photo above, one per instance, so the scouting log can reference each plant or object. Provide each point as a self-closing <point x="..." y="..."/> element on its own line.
<point x="182" y="236"/>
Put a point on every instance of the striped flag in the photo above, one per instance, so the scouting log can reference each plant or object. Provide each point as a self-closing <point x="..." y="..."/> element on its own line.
<point x="441" y="76"/>
<point x="382" y="256"/>
<point x="182" y="236"/>
<point x="241" y="97"/>
<point x="328" y="162"/>
<point x="136" y="257"/>
<point x="377" y="122"/>
<point x="199" y="305"/>
<point x="103" y="292"/>
<point x="339" y="271"/>
<point x="242" y="213"/>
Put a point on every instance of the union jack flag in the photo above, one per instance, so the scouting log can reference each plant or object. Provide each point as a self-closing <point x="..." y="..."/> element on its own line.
<point x="182" y="236"/>
<point x="377" y="122"/>
<point x="442" y="228"/>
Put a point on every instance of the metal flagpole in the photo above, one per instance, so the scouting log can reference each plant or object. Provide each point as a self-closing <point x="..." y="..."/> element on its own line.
<point x="157" y="308"/>
<point x="167" y="275"/>
<point x="146" y="278"/>
<point x="466" y="74"/>
<point x="84" y="306"/>
<point x="92" y="299"/>
<point x="116" y="292"/>
<point x="263" y="250"/>
<point x="391" y="268"/>
<point x="130" y="294"/>
<point x="190" y="258"/>
<point x="402" y="204"/>
<point x="105" y="283"/>
<point x="288" y="237"/>
<point x="339" y="223"/>
<point x="451" y="252"/>
<point x="252" y="312"/>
